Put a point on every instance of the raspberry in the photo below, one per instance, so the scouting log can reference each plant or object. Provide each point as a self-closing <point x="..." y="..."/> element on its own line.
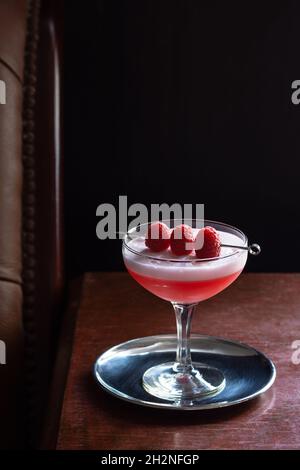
<point x="180" y="237"/>
<point x="158" y="237"/>
<point x="211" y="243"/>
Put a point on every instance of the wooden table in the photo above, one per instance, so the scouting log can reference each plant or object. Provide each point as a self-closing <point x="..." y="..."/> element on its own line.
<point x="262" y="310"/>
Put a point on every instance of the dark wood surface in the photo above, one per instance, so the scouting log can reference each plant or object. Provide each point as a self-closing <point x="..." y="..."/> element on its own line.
<point x="262" y="310"/>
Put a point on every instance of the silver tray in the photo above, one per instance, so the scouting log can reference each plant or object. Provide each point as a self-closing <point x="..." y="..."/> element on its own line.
<point x="248" y="372"/>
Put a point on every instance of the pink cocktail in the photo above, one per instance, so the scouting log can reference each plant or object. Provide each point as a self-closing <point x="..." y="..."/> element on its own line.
<point x="184" y="291"/>
<point x="185" y="281"/>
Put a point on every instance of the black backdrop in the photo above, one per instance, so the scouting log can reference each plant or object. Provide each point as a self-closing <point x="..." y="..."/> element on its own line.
<point x="183" y="101"/>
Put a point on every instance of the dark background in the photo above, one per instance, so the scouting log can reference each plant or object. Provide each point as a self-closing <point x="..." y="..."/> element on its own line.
<point x="183" y="101"/>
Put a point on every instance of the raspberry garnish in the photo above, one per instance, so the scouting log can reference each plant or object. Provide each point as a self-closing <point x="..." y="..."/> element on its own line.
<point x="158" y="237"/>
<point x="181" y="239"/>
<point x="209" y="243"/>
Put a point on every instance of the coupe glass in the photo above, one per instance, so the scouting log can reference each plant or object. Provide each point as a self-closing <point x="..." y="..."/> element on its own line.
<point x="184" y="281"/>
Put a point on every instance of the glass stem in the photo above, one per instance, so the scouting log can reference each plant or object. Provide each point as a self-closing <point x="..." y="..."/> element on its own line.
<point x="184" y="314"/>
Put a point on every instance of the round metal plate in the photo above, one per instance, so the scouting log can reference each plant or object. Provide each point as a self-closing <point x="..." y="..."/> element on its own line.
<point x="248" y="372"/>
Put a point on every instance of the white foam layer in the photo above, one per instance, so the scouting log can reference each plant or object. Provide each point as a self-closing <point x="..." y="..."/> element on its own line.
<point x="187" y="268"/>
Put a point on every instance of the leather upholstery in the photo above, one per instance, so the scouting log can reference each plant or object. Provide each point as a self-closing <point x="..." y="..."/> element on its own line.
<point x="12" y="43"/>
<point x="43" y="277"/>
<point x="12" y="34"/>
<point x="31" y="258"/>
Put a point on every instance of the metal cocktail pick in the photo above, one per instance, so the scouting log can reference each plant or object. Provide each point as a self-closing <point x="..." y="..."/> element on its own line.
<point x="253" y="249"/>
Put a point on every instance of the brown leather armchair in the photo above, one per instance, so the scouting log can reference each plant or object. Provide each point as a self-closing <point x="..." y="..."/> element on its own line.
<point x="31" y="244"/>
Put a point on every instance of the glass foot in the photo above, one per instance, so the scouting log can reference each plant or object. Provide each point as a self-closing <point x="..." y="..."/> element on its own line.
<point x="164" y="381"/>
